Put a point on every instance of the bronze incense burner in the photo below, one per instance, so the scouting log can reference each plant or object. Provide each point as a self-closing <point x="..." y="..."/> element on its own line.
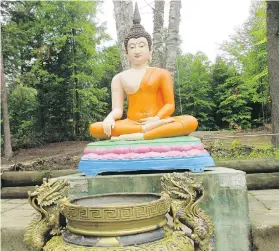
<point x="121" y="221"/>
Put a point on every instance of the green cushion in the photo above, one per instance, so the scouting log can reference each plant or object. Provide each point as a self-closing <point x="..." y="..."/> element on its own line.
<point x="183" y="140"/>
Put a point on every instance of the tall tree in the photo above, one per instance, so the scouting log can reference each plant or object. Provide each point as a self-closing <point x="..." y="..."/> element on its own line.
<point x="234" y="107"/>
<point x="123" y="14"/>
<point x="66" y="67"/>
<point x="18" y="38"/>
<point x="196" y="88"/>
<point x="7" y="134"/>
<point x="158" y="32"/>
<point x="247" y="50"/>
<point x="221" y="72"/>
<point x="67" y="71"/>
<point x="273" y="65"/>
<point x="173" y="35"/>
<point x="22" y="105"/>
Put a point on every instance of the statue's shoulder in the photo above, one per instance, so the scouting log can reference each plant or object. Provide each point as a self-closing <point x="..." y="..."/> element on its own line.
<point x="118" y="77"/>
<point x="122" y="74"/>
<point x="161" y="71"/>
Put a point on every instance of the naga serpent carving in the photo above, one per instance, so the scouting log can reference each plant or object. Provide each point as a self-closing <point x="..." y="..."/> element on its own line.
<point x="50" y="222"/>
<point x="186" y="194"/>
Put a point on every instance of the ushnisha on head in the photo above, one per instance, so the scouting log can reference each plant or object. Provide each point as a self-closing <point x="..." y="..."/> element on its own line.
<point x="138" y="42"/>
<point x="137" y="30"/>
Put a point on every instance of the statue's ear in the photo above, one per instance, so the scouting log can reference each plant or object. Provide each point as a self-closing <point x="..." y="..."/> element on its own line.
<point x="150" y="59"/>
<point x="125" y="49"/>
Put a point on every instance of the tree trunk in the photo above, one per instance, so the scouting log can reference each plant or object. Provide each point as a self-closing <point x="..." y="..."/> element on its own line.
<point x="31" y="178"/>
<point x="16" y="192"/>
<point x="273" y="65"/>
<point x="7" y="134"/>
<point x="123" y="14"/>
<point x="252" y="165"/>
<point x="158" y="24"/>
<point x="262" y="181"/>
<point x="76" y="101"/>
<point x="173" y="35"/>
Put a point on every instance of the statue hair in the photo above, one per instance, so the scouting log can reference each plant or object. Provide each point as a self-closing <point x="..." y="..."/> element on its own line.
<point x="137" y="30"/>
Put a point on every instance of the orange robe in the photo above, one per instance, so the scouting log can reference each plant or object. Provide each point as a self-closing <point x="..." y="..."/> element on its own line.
<point x="155" y="97"/>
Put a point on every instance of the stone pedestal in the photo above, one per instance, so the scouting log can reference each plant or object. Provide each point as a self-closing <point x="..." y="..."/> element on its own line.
<point x="225" y="199"/>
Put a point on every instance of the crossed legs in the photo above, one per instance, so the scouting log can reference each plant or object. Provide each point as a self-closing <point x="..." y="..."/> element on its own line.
<point x="128" y="130"/>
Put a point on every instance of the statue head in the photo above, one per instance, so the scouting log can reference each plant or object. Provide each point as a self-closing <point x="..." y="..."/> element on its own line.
<point x="138" y="42"/>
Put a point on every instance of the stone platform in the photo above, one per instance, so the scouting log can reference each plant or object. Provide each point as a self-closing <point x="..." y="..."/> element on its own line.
<point x="160" y="154"/>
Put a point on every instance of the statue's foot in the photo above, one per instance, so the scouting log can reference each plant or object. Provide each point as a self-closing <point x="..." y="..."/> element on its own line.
<point x="168" y="120"/>
<point x="154" y="124"/>
<point x="132" y="136"/>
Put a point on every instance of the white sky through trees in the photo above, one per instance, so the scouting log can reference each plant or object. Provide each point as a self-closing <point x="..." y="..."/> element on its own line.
<point x="204" y="25"/>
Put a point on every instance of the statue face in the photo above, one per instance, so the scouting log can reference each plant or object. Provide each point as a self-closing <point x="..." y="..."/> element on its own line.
<point x="138" y="51"/>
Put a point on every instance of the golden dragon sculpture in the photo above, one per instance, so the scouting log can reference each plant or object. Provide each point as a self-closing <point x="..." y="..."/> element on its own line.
<point x="50" y="222"/>
<point x="186" y="194"/>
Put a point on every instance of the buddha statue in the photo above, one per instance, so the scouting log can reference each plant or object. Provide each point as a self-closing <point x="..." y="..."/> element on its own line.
<point x="150" y="97"/>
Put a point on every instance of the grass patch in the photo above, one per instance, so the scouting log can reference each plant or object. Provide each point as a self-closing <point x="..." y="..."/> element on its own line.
<point x="239" y="151"/>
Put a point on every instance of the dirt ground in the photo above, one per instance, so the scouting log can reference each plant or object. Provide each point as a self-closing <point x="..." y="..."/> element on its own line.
<point x="54" y="151"/>
<point x="68" y="153"/>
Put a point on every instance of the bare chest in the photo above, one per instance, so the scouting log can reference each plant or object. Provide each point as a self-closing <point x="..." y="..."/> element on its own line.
<point x="131" y="81"/>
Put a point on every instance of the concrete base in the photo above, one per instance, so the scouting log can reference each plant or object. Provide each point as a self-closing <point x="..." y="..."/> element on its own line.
<point x="225" y="199"/>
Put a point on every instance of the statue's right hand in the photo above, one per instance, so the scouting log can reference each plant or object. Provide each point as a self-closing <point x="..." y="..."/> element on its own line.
<point x="108" y="124"/>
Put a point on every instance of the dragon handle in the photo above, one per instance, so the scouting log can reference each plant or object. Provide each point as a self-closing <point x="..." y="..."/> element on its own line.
<point x="186" y="194"/>
<point x="49" y="222"/>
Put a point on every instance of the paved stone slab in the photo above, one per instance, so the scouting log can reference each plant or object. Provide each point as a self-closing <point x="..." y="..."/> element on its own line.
<point x="16" y="214"/>
<point x="272" y="192"/>
<point x="14" y="201"/>
<point x="269" y="198"/>
<point x="6" y="207"/>
<point x="12" y="240"/>
<point x="264" y="215"/>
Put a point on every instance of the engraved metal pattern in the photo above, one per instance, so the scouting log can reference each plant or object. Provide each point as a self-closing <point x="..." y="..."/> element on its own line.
<point x="117" y="213"/>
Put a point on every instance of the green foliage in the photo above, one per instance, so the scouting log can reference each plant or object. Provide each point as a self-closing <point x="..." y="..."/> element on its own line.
<point x="228" y="102"/>
<point x="247" y="50"/>
<point x="233" y="107"/>
<point x="22" y="110"/>
<point x="55" y="48"/>
<point x="17" y="36"/>
<point x="67" y="66"/>
<point x="240" y="151"/>
<point x="195" y="88"/>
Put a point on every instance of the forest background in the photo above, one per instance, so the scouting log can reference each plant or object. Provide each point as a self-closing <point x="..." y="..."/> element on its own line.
<point x="58" y="73"/>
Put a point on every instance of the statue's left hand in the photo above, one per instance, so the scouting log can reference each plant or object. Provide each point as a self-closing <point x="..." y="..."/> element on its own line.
<point x="149" y="119"/>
